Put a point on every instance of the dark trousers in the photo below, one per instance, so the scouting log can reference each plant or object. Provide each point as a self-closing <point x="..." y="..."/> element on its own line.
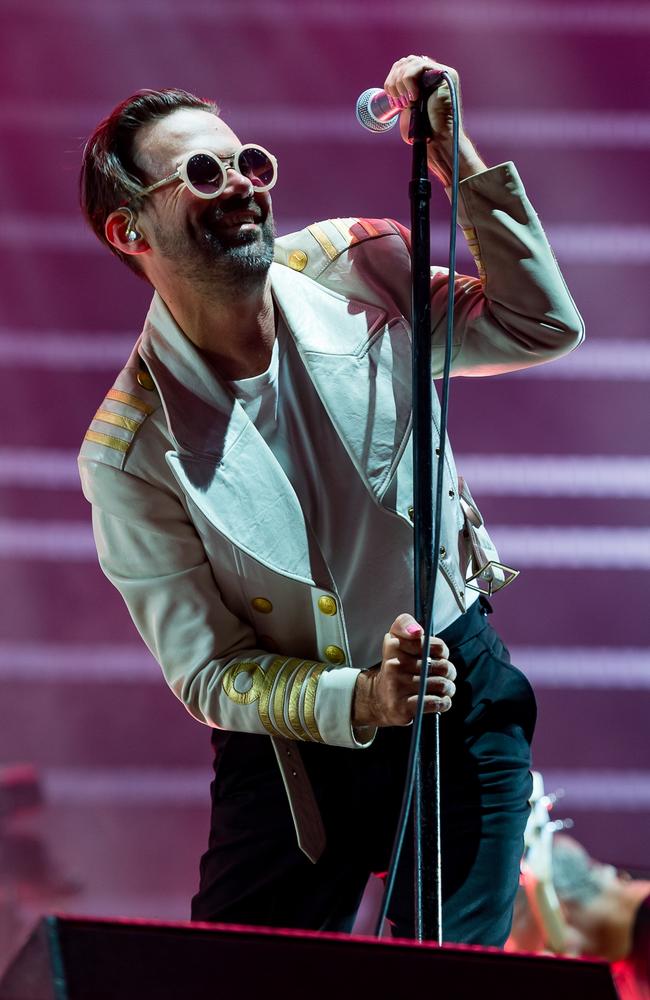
<point x="254" y="873"/>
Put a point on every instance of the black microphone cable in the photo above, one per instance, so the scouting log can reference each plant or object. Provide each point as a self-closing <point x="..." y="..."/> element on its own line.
<point x="414" y="747"/>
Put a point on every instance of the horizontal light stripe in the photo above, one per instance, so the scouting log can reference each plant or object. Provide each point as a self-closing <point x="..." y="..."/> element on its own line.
<point x="583" y="243"/>
<point x="173" y="786"/>
<point x="586" y="129"/>
<point x="69" y="661"/>
<point x="42" y="468"/>
<point x="63" y="541"/>
<point x="571" y="129"/>
<point x="573" y="667"/>
<point x="59" y="351"/>
<point x="608" y="790"/>
<point x="54" y="350"/>
<point x="557" y="475"/>
<point x="615" y="360"/>
<point x="620" y="476"/>
<point x="575" y="243"/>
<point x="506" y="16"/>
<point x="550" y="547"/>
<point x="584" y="667"/>
<point x="545" y="547"/>
<point x="583" y="788"/>
<point x="128" y="905"/>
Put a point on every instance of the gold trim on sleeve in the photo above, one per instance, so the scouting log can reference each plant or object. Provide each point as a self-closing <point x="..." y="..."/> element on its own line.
<point x="254" y="671"/>
<point x="126" y="397"/>
<point x="324" y="241"/>
<point x="279" y="698"/>
<point x="310" y="703"/>
<point x="118" y="444"/>
<point x="294" y="700"/>
<point x="265" y="695"/>
<point x="270" y="687"/>
<point x="118" y="420"/>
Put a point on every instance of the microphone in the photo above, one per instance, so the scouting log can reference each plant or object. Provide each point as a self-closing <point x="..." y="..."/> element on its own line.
<point x="374" y="110"/>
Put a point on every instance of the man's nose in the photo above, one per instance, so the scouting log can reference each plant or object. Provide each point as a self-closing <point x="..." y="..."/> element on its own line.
<point x="237" y="184"/>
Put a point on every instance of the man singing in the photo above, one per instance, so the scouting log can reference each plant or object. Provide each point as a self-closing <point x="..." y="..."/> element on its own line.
<point x="250" y="474"/>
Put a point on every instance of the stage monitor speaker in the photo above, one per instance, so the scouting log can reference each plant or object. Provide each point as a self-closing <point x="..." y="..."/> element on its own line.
<point x="70" y="958"/>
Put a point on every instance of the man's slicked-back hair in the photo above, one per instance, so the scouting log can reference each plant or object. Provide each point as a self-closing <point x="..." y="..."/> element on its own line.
<point x="109" y="177"/>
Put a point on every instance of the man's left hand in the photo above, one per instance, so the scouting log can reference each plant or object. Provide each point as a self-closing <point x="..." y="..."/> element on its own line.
<point x="402" y="84"/>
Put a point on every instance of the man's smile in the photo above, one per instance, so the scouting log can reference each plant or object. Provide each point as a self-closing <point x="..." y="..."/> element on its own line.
<point x="236" y="219"/>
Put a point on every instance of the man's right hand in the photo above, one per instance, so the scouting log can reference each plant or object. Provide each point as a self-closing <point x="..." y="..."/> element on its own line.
<point x="387" y="695"/>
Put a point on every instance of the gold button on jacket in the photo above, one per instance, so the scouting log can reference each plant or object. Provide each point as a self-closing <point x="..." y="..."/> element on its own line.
<point x="146" y="381"/>
<point x="298" y="260"/>
<point x="334" y="654"/>
<point x="263" y="605"/>
<point x="327" y="605"/>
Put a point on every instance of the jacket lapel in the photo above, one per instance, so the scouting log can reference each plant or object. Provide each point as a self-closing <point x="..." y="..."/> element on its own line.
<point x="220" y="454"/>
<point x="360" y="364"/>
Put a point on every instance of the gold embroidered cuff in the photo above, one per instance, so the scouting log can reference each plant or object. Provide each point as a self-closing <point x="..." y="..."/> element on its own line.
<point x="285" y="694"/>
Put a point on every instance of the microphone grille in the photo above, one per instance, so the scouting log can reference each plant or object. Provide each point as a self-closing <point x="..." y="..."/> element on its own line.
<point x="365" y="116"/>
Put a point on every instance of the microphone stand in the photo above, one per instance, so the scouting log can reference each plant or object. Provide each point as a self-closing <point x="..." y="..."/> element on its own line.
<point x="422" y="783"/>
<point x="427" y="880"/>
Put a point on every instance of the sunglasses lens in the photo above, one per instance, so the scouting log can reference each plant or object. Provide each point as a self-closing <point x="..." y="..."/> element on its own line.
<point x="257" y="166"/>
<point x="204" y="173"/>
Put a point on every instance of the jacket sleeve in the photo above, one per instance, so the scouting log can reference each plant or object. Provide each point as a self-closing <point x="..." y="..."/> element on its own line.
<point x="151" y="552"/>
<point x="518" y="312"/>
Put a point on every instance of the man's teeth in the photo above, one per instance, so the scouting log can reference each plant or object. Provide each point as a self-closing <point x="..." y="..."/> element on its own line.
<point x="239" y="218"/>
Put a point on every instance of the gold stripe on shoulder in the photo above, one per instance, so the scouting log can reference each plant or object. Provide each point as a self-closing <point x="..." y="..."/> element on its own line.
<point x="118" y="420"/>
<point x="368" y="226"/>
<point x="126" y="397"/>
<point x="345" y="231"/>
<point x="324" y="241"/>
<point x="107" y="440"/>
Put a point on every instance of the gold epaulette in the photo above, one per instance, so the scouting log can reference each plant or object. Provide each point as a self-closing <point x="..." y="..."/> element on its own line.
<point x="313" y="249"/>
<point x="119" y="418"/>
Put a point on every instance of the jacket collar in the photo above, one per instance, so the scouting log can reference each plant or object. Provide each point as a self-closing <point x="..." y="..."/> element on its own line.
<point x="334" y="336"/>
<point x="198" y="407"/>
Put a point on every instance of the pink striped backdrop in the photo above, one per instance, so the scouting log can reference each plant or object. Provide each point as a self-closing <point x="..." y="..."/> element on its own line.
<point x="558" y="458"/>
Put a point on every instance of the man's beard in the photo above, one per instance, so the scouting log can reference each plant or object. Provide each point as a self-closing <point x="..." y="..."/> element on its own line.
<point x="216" y="261"/>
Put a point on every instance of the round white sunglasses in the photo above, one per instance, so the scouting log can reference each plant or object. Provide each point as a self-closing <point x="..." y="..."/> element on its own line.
<point x="206" y="174"/>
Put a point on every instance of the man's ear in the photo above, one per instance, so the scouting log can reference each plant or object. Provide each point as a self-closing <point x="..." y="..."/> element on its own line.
<point x="121" y="232"/>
